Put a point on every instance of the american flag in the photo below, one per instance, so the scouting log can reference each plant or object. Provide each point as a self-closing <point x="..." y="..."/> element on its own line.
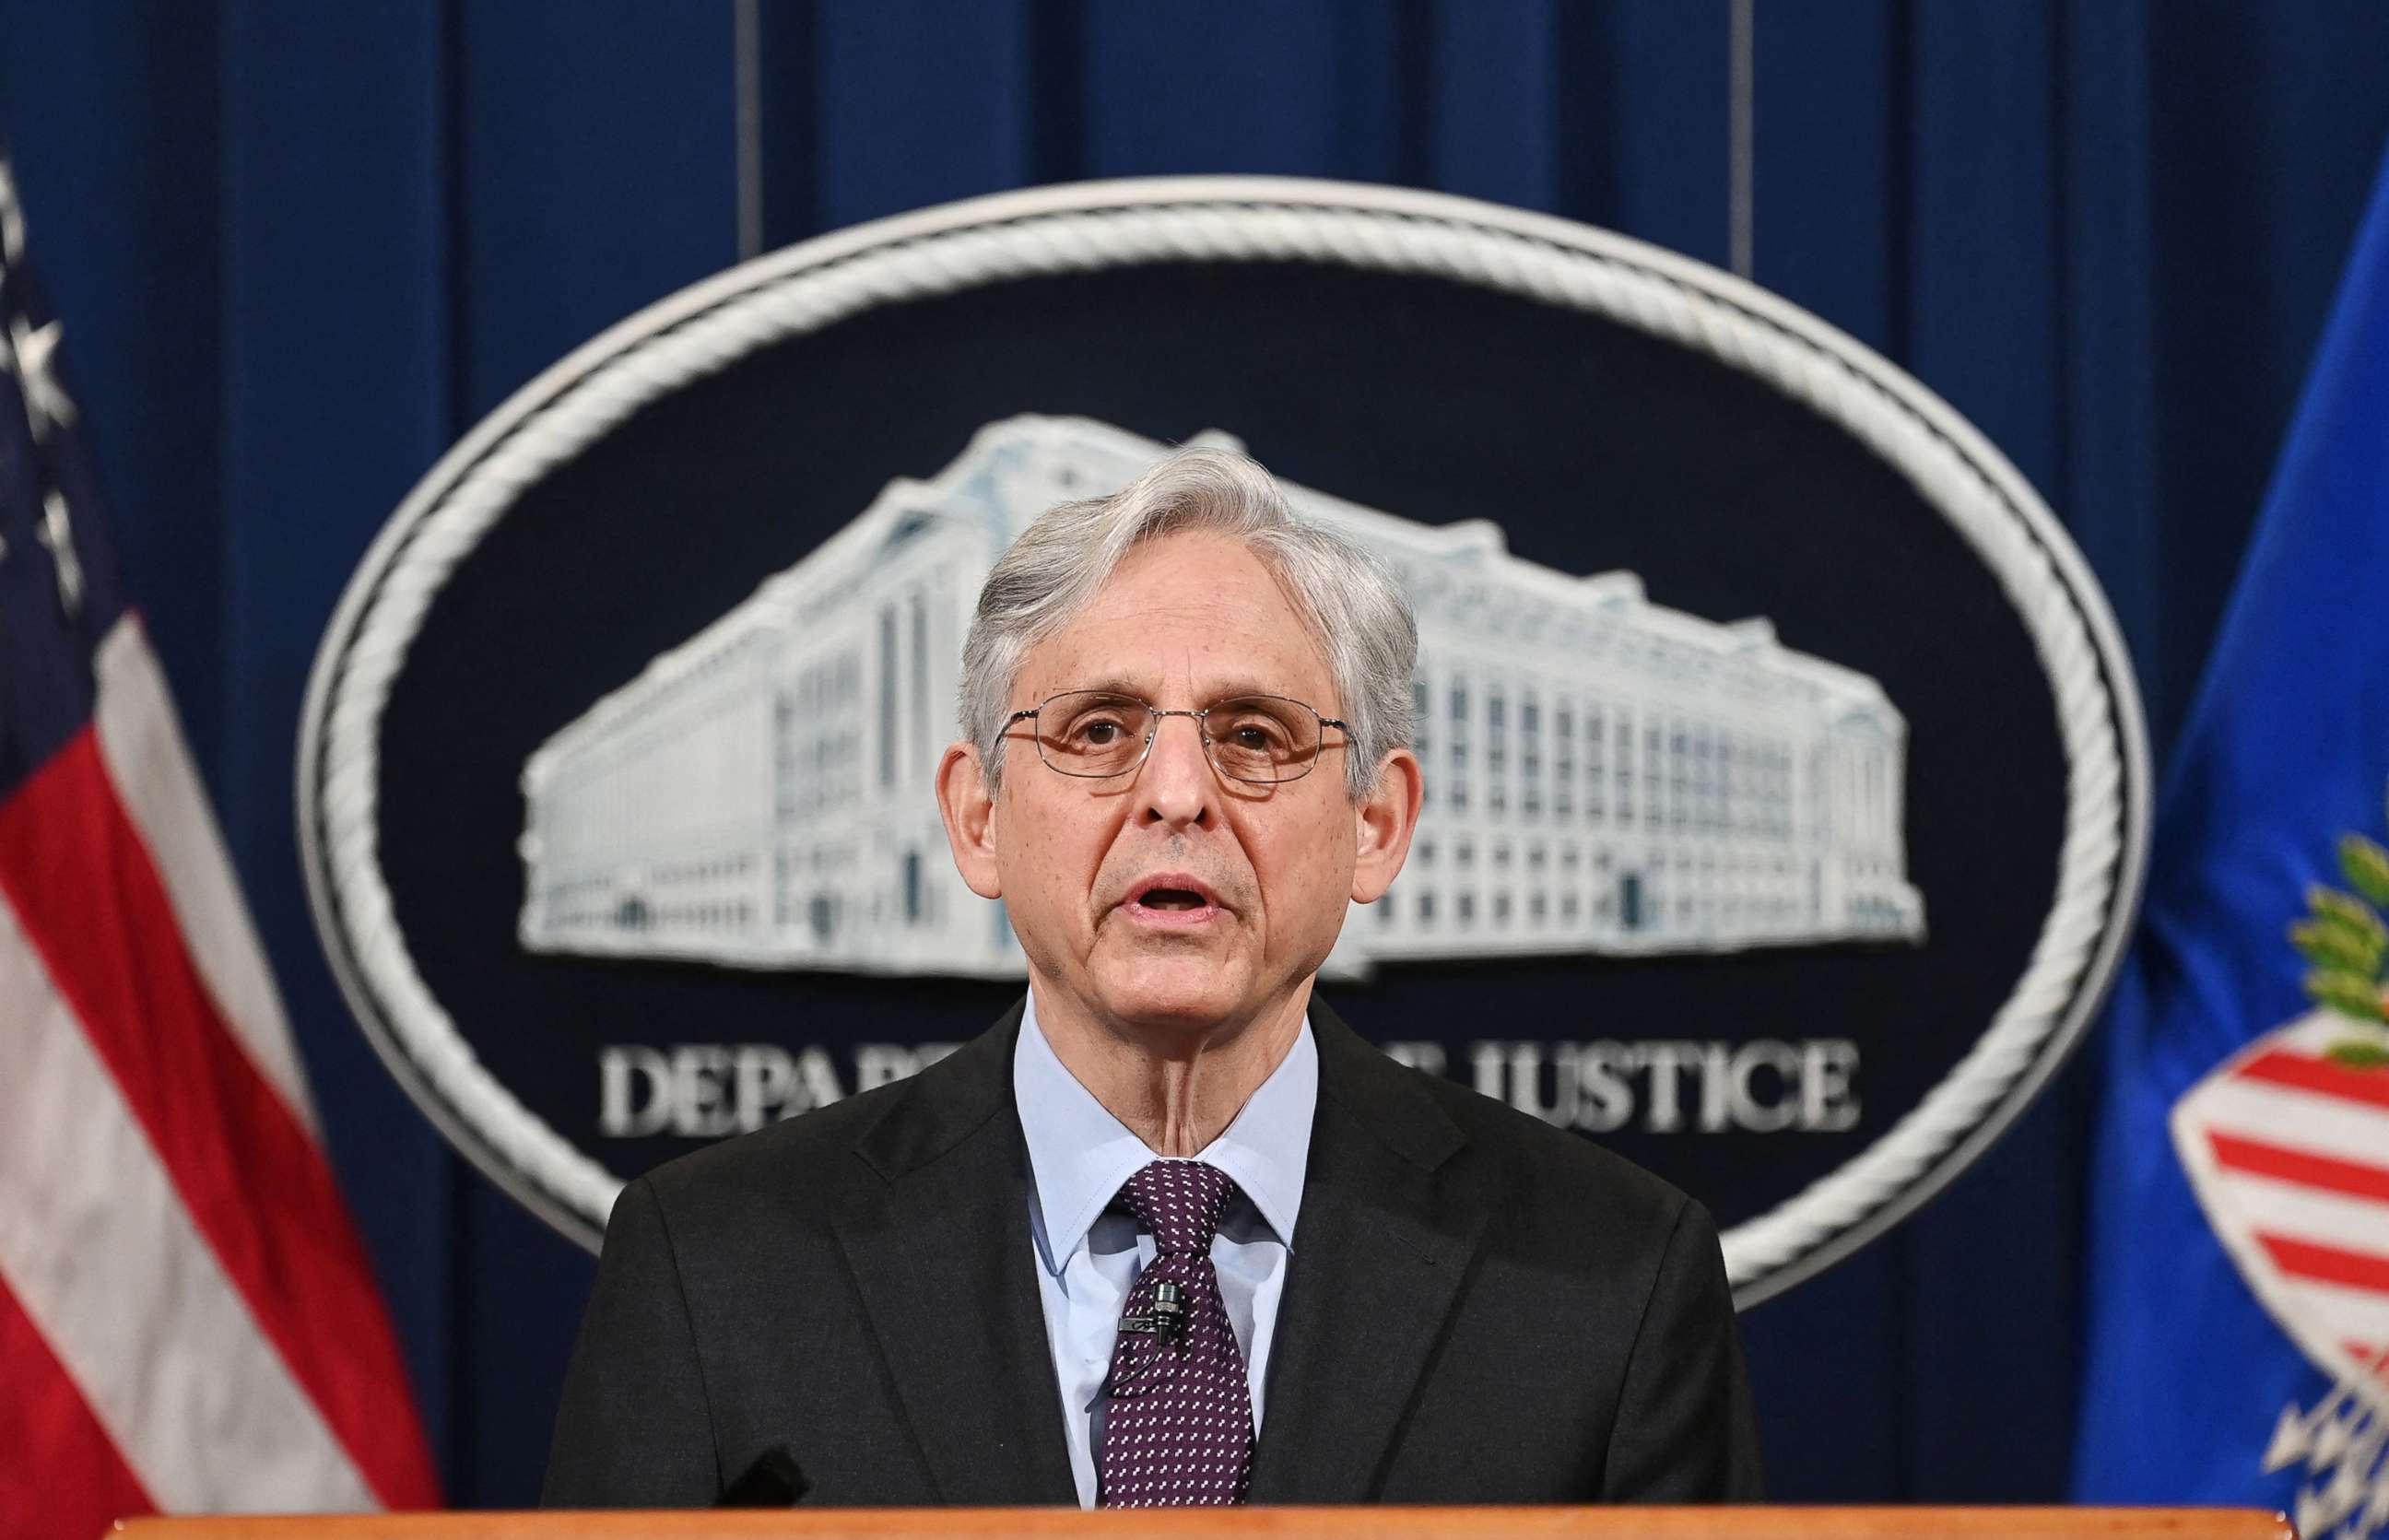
<point x="187" y="1322"/>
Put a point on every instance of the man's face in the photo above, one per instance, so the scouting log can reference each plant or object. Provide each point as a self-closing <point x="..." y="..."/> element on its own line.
<point x="1183" y="622"/>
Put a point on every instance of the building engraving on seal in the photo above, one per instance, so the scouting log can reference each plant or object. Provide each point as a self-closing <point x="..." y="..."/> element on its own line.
<point x="1603" y="774"/>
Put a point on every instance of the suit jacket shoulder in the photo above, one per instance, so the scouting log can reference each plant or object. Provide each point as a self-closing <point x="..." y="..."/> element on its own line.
<point x="1562" y="1163"/>
<point x="851" y="1290"/>
<point x="793" y="1173"/>
<point x="1586" y="1348"/>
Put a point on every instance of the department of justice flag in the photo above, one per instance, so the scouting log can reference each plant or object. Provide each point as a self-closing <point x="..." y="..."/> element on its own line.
<point x="2238" y="1342"/>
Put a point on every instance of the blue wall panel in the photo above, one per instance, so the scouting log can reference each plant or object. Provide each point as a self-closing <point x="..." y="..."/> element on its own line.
<point x="919" y="103"/>
<point x="334" y="372"/>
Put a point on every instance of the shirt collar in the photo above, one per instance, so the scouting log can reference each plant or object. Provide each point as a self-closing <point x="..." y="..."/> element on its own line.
<point x="1080" y="1155"/>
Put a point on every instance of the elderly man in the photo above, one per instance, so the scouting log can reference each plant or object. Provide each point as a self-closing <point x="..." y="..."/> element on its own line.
<point x="1169" y="1232"/>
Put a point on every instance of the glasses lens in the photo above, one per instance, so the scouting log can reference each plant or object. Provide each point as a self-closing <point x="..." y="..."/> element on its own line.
<point x="1262" y="738"/>
<point x="1089" y="732"/>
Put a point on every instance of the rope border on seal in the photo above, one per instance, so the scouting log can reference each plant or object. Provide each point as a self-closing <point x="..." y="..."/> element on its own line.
<point x="1095" y="227"/>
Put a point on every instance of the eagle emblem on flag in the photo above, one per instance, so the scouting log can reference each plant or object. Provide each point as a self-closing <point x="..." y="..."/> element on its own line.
<point x="2286" y="1144"/>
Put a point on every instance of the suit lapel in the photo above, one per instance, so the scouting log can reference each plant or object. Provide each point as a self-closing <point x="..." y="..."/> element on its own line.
<point x="1380" y="1252"/>
<point x="943" y="1259"/>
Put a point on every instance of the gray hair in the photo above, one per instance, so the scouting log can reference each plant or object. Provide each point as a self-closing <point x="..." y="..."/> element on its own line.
<point x="1349" y="598"/>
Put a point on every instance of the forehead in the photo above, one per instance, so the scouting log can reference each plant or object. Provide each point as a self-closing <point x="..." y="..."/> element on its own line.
<point x="1195" y="614"/>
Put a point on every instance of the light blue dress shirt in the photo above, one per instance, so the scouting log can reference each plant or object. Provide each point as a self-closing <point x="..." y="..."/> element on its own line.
<point x="1080" y="1156"/>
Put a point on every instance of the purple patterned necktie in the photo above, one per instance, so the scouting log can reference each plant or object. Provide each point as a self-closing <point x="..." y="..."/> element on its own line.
<point x="1178" y="1420"/>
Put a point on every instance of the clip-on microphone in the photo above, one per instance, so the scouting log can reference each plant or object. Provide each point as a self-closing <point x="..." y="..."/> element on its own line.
<point x="1164" y="1323"/>
<point x="1166" y="1320"/>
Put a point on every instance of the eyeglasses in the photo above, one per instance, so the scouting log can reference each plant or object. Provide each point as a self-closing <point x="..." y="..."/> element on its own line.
<point x="1264" y="739"/>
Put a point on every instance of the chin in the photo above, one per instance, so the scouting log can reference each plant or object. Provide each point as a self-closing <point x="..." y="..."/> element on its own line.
<point x="1173" y="995"/>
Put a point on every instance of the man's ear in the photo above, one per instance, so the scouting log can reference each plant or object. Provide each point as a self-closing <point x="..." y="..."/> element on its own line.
<point x="969" y="812"/>
<point x="1385" y="818"/>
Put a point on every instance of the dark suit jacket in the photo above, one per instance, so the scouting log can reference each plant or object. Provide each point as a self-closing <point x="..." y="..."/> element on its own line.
<point x="1478" y="1308"/>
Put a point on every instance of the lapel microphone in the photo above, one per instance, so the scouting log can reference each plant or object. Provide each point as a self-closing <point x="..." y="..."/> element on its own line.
<point x="1164" y="1323"/>
<point x="1166" y="1320"/>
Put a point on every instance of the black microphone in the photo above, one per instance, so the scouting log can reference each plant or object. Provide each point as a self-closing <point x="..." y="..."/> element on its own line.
<point x="773" y="1480"/>
<point x="1167" y="1319"/>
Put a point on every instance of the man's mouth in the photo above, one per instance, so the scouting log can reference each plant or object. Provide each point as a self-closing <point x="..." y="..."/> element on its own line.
<point x="1175" y="895"/>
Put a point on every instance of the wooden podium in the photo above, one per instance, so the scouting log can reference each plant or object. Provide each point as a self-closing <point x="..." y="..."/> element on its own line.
<point x="1259" y="1523"/>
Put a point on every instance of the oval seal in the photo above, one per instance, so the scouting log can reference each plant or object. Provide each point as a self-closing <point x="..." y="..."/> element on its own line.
<point x="1787" y="786"/>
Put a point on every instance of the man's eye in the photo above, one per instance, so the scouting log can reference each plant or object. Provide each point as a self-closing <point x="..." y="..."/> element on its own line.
<point x="1258" y="735"/>
<point x="1098" y="733"/>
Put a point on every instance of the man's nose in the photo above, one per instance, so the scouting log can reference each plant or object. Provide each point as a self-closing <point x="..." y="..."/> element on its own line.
<point x="1178" y="785"/>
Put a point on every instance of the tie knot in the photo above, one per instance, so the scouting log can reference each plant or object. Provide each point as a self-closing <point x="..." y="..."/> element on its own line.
<point x="1181" y="1202"/>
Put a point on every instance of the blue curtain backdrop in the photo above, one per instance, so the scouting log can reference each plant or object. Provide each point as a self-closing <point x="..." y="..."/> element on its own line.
<point x="299" y="249"/>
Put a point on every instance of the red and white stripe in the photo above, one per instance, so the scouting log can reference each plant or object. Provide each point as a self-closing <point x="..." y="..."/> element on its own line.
<point x="2288" y="1153"/>
<point x="186" y="1317"/>
<point x="141" y="743"/>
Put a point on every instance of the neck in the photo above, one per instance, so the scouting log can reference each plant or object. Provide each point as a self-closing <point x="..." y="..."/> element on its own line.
<point x="1176" y="1087"/>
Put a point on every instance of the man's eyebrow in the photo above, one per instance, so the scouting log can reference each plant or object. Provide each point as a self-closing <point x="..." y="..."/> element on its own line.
<point x="1114" y="684"/>
<point x="1238" y="684"/>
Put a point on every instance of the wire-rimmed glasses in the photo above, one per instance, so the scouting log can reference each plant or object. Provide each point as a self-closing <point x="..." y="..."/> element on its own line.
<point x="1095" y="734"/>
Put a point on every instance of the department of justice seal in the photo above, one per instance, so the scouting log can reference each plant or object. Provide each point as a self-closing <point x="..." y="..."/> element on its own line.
<point x="1786" y="783"/>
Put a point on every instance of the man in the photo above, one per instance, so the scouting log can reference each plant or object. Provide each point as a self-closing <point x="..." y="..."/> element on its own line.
<point x="1169" y="1232"/>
